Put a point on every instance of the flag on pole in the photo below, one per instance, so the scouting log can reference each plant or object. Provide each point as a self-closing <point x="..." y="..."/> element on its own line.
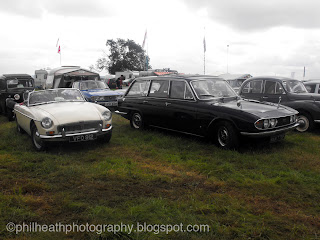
<point x="144" y="40"/>
<point x="59" y="49"/>
<point x="204" y="44"/>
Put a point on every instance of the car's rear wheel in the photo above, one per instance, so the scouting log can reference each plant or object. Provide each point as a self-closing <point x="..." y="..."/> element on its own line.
<point x="226" y="136"/>
<point x="10" y="114"/>
<point x="305" y="121"/>
<point x="136" y="120"/>
<point x="36" y="140"/>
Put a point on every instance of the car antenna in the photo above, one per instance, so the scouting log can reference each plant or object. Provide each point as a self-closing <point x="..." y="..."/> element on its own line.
<point x="279" y="102"/>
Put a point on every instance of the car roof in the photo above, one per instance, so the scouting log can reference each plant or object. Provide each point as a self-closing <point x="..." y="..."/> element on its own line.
<point x="313" y="81"/>
<point x="273" y="78"/>
<point x="180" y="77"/>
<point x="16" y="76"/>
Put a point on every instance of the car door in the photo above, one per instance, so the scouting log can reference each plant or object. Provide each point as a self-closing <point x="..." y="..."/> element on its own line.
<point x="135" y="98"/>
<point x="180" y="107"/>
<point x="273" y="92"/>
<point x="253" y="89"/>
<point x="155" y="103"/>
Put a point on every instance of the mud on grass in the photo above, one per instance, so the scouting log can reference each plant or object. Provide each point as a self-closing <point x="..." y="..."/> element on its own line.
<point x="153" y="176"/>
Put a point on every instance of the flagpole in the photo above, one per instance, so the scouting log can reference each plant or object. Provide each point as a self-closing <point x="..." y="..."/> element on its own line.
<point x="204" y="51"/>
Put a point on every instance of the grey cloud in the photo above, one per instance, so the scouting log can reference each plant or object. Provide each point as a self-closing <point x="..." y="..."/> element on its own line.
<point x="78" y="8"/>
<point x="251" y="15"/>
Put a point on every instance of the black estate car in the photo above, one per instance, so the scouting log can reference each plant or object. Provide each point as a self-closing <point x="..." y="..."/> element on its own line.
<point x="12" y="87"/>
<point x="203" y="106"/>
<point x="289" y="92"/>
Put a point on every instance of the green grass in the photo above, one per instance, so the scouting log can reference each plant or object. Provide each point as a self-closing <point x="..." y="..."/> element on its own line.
<point x="260" y="192"/>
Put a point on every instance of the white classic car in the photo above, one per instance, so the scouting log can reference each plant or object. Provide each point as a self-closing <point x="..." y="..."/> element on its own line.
<point x="62" y="115"/>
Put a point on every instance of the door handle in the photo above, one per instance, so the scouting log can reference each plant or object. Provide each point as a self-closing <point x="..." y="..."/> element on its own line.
<point x="265" y="97"/>
<point x="145" y="101"/>
<point x="167" y="104"/>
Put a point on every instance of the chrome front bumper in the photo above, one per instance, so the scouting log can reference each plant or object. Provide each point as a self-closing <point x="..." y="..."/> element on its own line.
<point x="270" y="133"/>
<point x="65" y="136"/>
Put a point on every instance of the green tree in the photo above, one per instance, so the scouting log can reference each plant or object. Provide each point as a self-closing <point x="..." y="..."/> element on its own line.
<point x="123" y="55"/>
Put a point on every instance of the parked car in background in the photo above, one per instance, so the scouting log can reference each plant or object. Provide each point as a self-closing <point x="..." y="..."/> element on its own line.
<point x="235" y="80"/>
<point x="61" y="115"/>
<point x="12" y="87"/>
<point x="203" y="106"/>
<point x="312" y="86"/>
<point x="289" y="92"/>
<point x="98" y="92"/>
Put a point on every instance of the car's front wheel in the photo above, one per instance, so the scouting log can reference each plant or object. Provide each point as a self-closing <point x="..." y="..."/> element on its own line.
<point x="305" y="121"/>
<point x="37" y="142"/>
<point x="107" y="137"/>
<point x="226" y="136"/>
<point x="136" y="120"/>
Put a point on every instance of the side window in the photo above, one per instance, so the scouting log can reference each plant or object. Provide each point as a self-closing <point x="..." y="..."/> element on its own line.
<point x="139" y="88"/>
<point x="272" y="87"/>
<point x="311" y="88"/>
<point x="253" y="87"/>
<point x="2" y="85"/>
<point x="180" y="90"/>
<point x="159" y="88"/>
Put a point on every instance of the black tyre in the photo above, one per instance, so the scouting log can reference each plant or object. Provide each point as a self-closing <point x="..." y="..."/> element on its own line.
<point x="106" y="138"/>
<point x="10" y="114"/>
<point x="136" y="121"/>
<point x="226" y="136"/>
<point x="306" y="122"/>
<point x="37" y="142"/>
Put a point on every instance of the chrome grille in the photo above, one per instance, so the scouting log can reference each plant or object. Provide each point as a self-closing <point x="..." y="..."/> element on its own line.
<point x="80" y="126"/>
<point x="283" y="121"/>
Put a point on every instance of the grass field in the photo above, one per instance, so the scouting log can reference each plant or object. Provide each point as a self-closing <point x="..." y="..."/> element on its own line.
<point x="156" y="177"/>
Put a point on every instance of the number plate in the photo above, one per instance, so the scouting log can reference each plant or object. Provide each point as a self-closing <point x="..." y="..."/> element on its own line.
<point x="276" y="138"/>
<point x="108" y="104"/>
<point x="83" y="138"/>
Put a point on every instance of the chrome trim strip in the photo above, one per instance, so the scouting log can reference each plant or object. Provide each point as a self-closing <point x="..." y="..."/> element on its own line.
<point x="269" y="133"/>
<point x="22" y="114"/>
<point x="169" y="129"/>
<point x="120" y="113"/>
<point x="317" y="121"/>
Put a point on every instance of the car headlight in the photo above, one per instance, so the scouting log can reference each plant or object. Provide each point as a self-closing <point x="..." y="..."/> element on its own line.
<point x="107" y="115"/>
<point x="273" y="122"/>
<point x="266" y="123"/>
<point x="16" y="97"/>
<point x="46" y="123"/>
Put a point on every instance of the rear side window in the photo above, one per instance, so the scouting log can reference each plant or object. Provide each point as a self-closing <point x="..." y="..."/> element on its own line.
<point x="180" y="90"/>
<point x="311" y="88"/>
<point x="139" y="88"/>
<point x="253" y="87"/>
<point x="159" y="88"/>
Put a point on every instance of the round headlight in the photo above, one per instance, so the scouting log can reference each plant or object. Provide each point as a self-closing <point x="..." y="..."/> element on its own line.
<point x="16" y="97"/>
<point x="46" y="122"/>
<point x="273" y="122"/>
<point x="106" y="115"/>
<point x="266" y="123"/>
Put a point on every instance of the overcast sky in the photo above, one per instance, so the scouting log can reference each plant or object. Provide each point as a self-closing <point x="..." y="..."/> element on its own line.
<point x="274" y="37"/>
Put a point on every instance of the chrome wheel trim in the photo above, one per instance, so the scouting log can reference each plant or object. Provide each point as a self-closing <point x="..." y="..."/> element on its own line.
<point x="36" y="139"/>
<point x="304" y="123"/>
<point x="136" y="120"/>
<point x="223" y="136"/>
